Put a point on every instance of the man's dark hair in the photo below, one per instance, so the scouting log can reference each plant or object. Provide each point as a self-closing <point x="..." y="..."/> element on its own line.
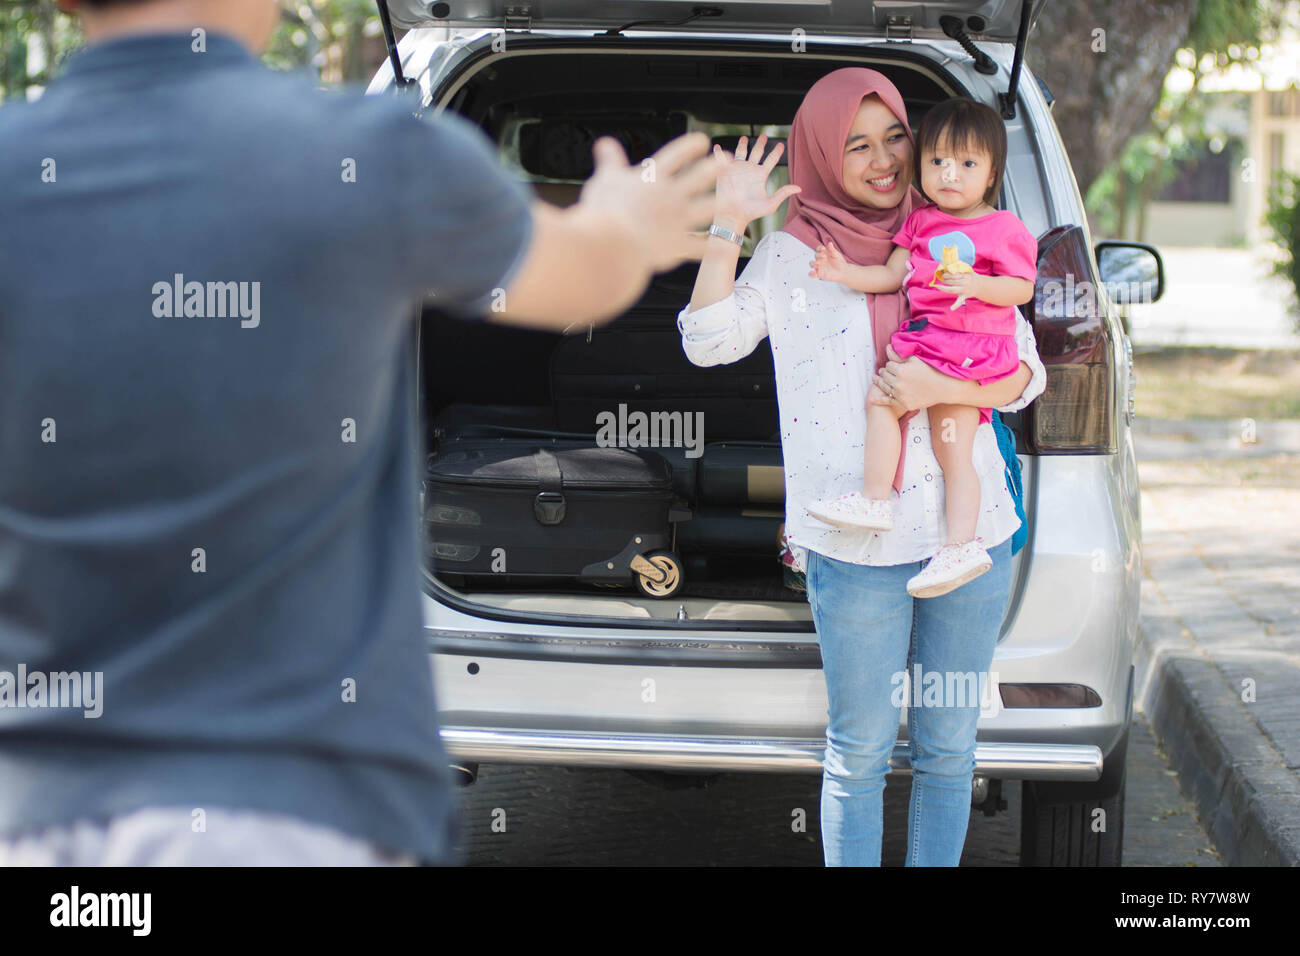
<point x="965" y="124"/>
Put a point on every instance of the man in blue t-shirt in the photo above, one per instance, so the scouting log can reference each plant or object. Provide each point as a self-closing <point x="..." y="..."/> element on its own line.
<point x="210" y="635"/>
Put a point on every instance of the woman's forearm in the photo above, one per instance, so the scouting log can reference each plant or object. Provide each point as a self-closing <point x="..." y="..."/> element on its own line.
<point x="717" y="276"/>
<point x="1002" y="392"/>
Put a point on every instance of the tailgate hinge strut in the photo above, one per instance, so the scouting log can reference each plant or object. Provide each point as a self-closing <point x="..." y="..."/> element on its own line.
<point x="385" y="18"/>
<point x="1007" y="100"/>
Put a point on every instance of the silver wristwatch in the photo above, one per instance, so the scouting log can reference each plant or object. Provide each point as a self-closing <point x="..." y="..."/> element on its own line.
<point x="723" y="233"/>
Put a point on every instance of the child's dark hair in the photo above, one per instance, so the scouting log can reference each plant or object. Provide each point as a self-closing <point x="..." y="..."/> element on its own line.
<point x="965" y="124"/>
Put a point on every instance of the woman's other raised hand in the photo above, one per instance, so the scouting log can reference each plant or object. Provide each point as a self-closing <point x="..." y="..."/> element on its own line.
<point x="742" y="183"/>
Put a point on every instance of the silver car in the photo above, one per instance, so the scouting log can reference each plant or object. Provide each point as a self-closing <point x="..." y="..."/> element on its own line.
<point x="725" y="674"/>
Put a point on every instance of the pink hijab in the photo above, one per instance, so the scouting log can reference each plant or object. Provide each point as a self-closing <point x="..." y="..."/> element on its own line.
<point x="822" y="210"/>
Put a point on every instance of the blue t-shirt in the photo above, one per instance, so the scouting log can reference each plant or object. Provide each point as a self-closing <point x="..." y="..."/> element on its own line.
<point x="209" y="273"/>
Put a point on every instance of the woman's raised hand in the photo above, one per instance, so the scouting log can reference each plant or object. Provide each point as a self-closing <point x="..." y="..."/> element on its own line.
<point x="742" y="183"/>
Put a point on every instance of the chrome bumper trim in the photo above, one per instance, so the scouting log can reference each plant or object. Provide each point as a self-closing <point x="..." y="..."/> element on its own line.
<point x="1078" y="762"/>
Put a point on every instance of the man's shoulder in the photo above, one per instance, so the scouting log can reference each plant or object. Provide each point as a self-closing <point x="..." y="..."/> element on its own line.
<point x="296" y="99"/>
<point x="16" y="116"/>
<point x="292" y="99"/>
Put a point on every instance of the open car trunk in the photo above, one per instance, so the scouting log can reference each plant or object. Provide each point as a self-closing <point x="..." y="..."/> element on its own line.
<point x="495" y="391"/>
<point x="495" y="395"/>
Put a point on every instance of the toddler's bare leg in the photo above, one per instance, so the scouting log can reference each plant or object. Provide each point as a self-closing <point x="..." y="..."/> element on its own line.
<point x="952" y="434"/>
<point x="882" y="446"/>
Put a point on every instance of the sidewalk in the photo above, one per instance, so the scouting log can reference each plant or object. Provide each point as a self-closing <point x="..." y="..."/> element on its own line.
<point x="1218" y="658"/>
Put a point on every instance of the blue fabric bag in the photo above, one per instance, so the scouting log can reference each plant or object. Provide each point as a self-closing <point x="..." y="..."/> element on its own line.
<point x="1007" y="445"/>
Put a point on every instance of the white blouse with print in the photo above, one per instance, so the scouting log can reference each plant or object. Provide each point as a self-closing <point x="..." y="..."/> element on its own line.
<point x="824" y="357"/>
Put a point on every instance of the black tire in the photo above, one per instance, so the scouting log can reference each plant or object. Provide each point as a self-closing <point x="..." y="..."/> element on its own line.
<point x="669" y="562"/>
<point x="1056" y="818"/>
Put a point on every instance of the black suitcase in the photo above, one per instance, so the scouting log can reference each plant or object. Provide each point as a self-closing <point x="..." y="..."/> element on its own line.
<point x="512" y="508"/>
<point x="683" y="467"/>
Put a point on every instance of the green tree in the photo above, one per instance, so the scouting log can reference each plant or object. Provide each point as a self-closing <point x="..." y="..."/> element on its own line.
<point x="34" y="38"/>
<point x="1283" y="221"/>
<point x="1223" y="33"/>
<point x="338" y="39"/>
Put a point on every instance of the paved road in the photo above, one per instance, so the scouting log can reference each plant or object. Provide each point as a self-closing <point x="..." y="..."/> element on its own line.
<point x="583" y="817"/>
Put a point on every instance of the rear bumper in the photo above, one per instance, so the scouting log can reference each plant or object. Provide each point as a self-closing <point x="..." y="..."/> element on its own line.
<point x="1007" y="761"/>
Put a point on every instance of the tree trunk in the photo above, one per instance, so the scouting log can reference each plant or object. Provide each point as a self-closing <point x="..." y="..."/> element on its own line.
<point x="1121" y="204"/>
<point x="1104" y="98"/>
<point x="1146" y="192"/>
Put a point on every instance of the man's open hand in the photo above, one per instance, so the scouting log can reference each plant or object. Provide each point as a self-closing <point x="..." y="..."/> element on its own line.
<point x="658" y="203"/>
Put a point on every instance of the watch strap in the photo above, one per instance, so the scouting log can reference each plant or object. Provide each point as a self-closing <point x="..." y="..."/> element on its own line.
<point x="723" y="233"/>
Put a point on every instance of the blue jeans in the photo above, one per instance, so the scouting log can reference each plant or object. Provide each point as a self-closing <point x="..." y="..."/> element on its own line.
<point x="872" y="633"/>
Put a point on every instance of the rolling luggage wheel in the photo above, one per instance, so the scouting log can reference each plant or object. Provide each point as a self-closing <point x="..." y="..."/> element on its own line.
<point x="658" y="574"/>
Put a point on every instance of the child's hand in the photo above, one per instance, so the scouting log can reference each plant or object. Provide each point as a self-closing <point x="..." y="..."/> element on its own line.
<point x="964" y="285"/>
<point x="829" y="265"/>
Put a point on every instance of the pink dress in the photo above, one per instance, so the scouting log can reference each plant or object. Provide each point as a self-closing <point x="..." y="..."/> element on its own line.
<point x="976" y="341"/>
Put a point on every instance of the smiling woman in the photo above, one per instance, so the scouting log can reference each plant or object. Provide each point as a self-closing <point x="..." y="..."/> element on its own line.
<point x="851" y="163"/>
<point x="876" y="153"/>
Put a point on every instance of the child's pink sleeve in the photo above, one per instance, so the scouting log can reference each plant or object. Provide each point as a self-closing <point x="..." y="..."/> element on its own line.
<point x="907" y="235"/>
<point x="1015" y="252"/>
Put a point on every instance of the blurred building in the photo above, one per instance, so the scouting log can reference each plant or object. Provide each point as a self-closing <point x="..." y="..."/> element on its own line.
<point x="1221" y="193"/>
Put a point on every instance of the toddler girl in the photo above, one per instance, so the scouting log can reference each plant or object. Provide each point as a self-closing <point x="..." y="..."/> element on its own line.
<point x="966" y="265"/>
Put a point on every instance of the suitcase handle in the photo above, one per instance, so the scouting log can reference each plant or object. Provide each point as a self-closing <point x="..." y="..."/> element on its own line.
<point x="548" y="506"/>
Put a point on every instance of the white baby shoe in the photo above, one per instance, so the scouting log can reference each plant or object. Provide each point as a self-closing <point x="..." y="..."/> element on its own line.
<point x="853" y="510"/>
<point x="953" y="566"/>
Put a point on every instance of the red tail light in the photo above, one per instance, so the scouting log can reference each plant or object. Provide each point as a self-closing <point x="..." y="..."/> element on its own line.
<point x="1075" y="413"/>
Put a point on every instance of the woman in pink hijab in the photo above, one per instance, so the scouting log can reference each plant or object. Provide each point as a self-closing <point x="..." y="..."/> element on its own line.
<point x="852" y="166"/>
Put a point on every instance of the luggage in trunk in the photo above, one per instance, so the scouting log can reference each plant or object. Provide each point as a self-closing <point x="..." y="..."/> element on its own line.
<point x="742" y="473"/>
<point x="731" y="531"/>
<point x="512" y="508"/>
<point x="450" y="436"/>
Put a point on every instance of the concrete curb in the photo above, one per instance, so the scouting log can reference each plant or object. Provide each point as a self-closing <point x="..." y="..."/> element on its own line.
<point x="1247" y="811"/>
<point x="1195" y="646"/>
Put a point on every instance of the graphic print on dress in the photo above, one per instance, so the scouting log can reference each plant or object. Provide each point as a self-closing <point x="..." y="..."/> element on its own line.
<point x="962" y="243"/>
<point x="956" y="254"/>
